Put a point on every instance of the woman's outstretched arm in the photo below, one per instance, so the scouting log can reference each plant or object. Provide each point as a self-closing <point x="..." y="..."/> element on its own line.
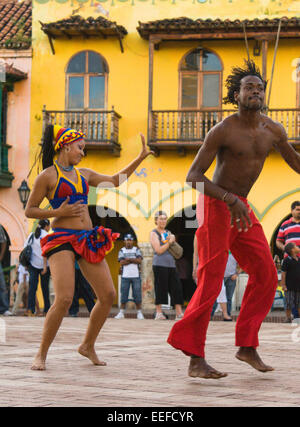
<point x="95" y="179"/>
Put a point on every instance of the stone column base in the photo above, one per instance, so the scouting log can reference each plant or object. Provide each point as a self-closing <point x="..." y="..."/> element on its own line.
<point x="148" y="297"/>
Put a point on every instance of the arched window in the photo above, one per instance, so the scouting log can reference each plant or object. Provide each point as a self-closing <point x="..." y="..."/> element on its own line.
<point x="200" y="77"/>
<point x="86" y="76"/>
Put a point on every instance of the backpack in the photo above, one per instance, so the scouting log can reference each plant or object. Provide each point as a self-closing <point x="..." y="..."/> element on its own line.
<point x="26" y="253"/>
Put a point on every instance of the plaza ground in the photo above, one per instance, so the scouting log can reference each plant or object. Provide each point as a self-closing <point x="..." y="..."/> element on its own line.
<point x="142" y="369"/>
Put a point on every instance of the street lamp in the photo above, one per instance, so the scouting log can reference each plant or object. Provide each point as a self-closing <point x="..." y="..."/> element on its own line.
<point x="24" y="192"/>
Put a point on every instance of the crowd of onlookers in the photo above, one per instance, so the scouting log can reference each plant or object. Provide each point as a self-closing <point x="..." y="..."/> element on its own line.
<point x="169" y="272"/>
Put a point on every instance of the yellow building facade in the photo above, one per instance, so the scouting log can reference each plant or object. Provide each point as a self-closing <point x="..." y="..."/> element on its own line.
<point x="137" y="66"/>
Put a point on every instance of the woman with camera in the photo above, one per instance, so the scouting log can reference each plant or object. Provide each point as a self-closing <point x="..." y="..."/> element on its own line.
<point x="166" y="279"/>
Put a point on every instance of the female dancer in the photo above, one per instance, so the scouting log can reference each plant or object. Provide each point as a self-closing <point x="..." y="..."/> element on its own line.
<point x="73" y="236"/>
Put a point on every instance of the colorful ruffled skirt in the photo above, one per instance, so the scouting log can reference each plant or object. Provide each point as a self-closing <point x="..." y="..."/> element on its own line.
<point x="92" y="245"/>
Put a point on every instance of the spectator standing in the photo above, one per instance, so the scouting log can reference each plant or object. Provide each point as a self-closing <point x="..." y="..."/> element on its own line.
<point x="184" y="269"/>
<point x="4" y="304"/>
<point x="289" y="231"/>
<point x="38" y="268"/>
<point x="290" y="279"/>
<point x="166" y="279"/>
<point x="195" y="260"/>
<point x="222" y="298"/>
<point x="130" y="258"/>
<point x="23" y="285"/>
<point x="82" y="289"/>
<point x="230" y="277"/>
<point x="222" y="301"/>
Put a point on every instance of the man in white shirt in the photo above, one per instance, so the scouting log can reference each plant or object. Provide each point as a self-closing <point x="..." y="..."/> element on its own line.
<point x="130" y="258"/>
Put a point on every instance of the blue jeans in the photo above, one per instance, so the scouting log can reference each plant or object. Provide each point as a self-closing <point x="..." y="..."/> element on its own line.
<point x="34" y="274"/>
<point x="136" y="289"/>
<point x="294" y="309"/>
<point x="4" y="305"/>
<point x="230" y="288"/>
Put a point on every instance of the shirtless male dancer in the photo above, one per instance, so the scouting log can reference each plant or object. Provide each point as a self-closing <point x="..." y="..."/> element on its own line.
<point x="241" y="143"/>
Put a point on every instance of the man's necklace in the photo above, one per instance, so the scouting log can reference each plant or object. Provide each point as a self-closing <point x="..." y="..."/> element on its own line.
<point x="65" y="168"/>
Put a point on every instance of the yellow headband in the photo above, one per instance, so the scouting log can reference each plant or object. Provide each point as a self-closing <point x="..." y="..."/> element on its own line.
<point x="65" y="136"/>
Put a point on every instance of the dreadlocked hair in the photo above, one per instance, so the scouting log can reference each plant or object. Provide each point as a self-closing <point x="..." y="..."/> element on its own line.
<point x="233" y="81"/>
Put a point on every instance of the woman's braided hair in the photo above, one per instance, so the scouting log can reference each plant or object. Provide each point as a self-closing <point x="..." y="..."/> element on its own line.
<point x="46" y="153"/>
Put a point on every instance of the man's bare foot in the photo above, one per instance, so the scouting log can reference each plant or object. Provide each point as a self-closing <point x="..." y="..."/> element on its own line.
<point x="90" y="354"/>
<point x="199" y="368"/>
<point x="39" y="363"/>
<point x="250" y="356"/>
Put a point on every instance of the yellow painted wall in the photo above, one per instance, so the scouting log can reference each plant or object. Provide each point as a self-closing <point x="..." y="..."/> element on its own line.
<point x="128" y="91"/>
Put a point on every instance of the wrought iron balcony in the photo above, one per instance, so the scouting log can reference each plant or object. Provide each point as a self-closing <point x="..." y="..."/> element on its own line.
<point x="100" y="127"/>
<point x="186" y="129"/>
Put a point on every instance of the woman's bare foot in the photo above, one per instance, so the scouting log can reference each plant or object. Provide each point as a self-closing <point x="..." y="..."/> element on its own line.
<point x="199" y="368"/>
<point x="39" y="363"/>
<point x="250" y="356"/>
<point x="90" y="354"/>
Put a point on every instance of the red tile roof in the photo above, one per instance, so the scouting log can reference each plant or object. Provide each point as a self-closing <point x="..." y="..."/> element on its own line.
<point x="290" y="27"/>
<point x="15" y="24"/>
<point x="78" y="26"/>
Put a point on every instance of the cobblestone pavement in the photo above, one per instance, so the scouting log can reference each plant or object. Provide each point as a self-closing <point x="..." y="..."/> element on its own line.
<point x="143" y="370"/>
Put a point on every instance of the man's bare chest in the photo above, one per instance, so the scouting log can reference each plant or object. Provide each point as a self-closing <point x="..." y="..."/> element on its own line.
<point x="250" y="144"/>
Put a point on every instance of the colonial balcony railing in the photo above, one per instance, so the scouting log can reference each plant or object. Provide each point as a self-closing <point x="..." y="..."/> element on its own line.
<point x="184" y="129"/>
<point x="100" y="127"/>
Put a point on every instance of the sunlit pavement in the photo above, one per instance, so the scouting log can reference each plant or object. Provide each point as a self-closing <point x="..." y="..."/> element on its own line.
<point x="142" y="369"/>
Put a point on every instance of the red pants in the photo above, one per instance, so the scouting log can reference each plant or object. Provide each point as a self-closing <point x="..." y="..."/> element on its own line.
<point x="251" y="250"/>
